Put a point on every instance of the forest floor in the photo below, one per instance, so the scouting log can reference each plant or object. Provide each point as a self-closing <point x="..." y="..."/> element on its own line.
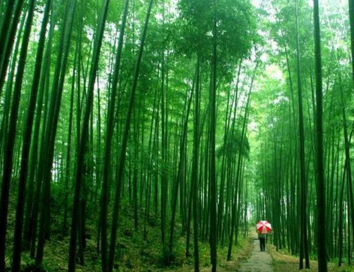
<point x="135" y="251"/>
<point x="135" y="255"/>
<point x="241" y="254"/>
<point x="285" y="262"/>
<point x="258" y="262"/>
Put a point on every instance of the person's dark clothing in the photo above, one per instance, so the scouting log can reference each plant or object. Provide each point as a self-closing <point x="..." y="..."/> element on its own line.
<point x="262" y="241"/>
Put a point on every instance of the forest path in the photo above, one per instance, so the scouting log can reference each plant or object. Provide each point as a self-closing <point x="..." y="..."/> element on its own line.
<point x="258" y="262"/>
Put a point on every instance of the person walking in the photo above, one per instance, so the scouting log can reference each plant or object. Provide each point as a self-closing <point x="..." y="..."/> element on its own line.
<point x="262" y="241"/>
<point x="263" y="228"/>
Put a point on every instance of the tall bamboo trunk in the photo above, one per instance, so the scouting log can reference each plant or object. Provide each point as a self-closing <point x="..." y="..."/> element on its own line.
<point x="9" y="151"/>
<point x="321" y="190"/>
<point x="28" y="134"/>
<point x="122" y="156"/>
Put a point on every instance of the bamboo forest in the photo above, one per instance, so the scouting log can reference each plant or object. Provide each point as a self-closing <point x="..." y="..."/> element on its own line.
<point x="176" y="135"/>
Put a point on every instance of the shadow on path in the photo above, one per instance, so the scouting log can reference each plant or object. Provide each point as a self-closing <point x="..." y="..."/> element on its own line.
<point x="258" y="262"/>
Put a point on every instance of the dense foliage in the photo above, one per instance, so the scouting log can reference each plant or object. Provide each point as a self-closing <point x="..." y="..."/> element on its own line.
<point x="177" y="124"/>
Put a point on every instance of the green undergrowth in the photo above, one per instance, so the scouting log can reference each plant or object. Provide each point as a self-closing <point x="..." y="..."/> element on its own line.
<point x="283" y="261"/>
<point x="137" y="250"/>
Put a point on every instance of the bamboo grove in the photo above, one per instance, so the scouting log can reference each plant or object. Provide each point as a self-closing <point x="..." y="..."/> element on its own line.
<point x="288" y="144"/>
<point x="192" y="119"/>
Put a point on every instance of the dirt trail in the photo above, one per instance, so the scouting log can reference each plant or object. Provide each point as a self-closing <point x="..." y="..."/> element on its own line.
<point x="258" y="262"/>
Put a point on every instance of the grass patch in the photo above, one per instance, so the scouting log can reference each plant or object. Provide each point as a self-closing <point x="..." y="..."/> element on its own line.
<point x="286" y="262"/>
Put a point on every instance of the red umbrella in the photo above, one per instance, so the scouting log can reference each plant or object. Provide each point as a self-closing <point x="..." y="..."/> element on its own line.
<point x="264" y="227"/>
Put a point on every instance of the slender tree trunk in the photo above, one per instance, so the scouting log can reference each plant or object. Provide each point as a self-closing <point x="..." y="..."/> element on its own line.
<point x="347" y="157"/>
<point x="122" y="156"/>
<point x="225" y="153"/>
<point x="7" y="36"/>
<point x="108" y="141"/>
<point x="8" y="91"/>
<point x="195" y="169"/>
<point x="34" y="188"/>
<point x="68" y="154"/>
<point x="9" y="152"/>
<point x="180" y="169"/>
<point x="321" y="190"/>
<point x="84" y="135"/>
<point x="164" y="137"/>
<point x="28" y="133"/>
<point x="303" y="230"/>
<point x="351" y="20"/>
<point x="212" y="178"/>
<point x="47" y="148"/>
<point x="238" y="170"/>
